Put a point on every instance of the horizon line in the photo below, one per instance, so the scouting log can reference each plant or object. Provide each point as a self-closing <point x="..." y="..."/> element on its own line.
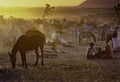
<point x="37" y="6"/>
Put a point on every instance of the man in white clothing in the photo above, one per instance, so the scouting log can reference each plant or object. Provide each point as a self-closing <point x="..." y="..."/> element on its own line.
<point x="115" y="39"/>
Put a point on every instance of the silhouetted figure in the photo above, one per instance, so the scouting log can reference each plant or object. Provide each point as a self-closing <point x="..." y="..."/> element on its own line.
<point x="115" y="39"/>
<point x="26" y="43"/>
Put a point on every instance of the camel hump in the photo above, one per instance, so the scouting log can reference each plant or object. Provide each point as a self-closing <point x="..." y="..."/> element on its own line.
<point x="33" y="33"/>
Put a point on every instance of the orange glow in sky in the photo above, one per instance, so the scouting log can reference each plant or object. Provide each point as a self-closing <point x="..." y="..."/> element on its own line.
<point x="38" y="3"/>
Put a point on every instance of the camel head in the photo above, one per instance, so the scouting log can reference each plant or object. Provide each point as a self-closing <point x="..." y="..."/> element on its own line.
<point x="12" y="59"/>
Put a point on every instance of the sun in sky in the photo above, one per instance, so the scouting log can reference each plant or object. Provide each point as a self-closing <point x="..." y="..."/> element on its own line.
<point x="38" y="3"/>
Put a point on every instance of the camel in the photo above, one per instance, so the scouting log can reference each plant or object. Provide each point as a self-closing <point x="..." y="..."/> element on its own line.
<point x="88" y="35"/>
<point x="32" y="40"/>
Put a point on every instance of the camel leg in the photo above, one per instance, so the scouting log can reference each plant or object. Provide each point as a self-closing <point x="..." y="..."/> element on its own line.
<point x="41" y="48"/>
<point x="72" y="37"/>
<point x="79" y="38"/>
<point x="23" y="57"/>
<point x="37" y="56"/>
<point x="76" y="36"/>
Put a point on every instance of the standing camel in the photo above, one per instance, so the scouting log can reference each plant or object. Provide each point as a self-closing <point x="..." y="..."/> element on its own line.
<point x="88" y="35"/>
<point x="32" y="40"/>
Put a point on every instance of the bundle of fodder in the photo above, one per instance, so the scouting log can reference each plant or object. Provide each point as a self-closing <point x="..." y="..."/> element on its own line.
<point x="63" y="42"/>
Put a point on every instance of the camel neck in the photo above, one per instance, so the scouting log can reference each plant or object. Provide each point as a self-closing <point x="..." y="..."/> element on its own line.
<point x="14" y="50"/>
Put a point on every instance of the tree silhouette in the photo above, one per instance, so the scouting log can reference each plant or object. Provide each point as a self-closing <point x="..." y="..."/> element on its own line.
<point x="47" y="10"/>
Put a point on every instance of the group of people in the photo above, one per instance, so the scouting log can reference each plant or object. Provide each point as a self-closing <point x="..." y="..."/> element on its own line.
<point x="92" y="53"/>
<point x="107" y="53"/>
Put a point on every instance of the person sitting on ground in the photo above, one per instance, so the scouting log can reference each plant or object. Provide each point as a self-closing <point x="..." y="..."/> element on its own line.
<point x="99" y="54"/>
<point x="107" y="53"/>
<point x="91" y="51"/>
<point x="54" y="47"/>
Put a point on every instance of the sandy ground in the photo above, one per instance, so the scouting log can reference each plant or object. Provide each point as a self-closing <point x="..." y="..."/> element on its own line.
<point x="70" y="65"/>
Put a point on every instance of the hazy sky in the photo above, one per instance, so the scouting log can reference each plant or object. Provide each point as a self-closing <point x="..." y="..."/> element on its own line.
<point x="37" y="3"/>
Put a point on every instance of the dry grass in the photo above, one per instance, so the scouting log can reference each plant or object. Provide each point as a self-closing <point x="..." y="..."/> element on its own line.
<point x="71" y="66"/>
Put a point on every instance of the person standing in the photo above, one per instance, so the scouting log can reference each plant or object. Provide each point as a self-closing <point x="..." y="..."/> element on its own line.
<point x="115" y="39"/>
